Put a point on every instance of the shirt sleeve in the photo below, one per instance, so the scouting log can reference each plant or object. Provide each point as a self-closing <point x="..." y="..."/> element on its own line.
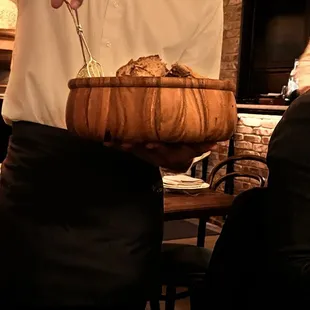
<point x="204" y="50"/>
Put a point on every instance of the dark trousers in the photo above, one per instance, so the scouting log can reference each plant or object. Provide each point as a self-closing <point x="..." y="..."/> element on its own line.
<point x="80" y="224"/>
<point x="239" y="257"/>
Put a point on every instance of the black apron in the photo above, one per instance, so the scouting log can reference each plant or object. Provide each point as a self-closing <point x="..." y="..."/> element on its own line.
<point x="80" y="224"/>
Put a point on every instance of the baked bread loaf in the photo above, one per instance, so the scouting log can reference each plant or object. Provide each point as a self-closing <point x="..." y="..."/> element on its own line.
<point x="150" y="66"/>
<point x="178" y="70"/>
<point x="153" y="66"/>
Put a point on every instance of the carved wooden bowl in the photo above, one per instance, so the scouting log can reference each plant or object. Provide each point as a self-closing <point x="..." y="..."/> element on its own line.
<point x="147" y="109"/>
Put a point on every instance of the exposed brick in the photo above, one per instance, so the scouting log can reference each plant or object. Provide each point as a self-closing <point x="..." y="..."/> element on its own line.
<point x="238" y="186"/>
<point x="222" y="156"/>
<point x="238" y="167"/>
<point x="223" y="150"/>
<point x="238" y="136"/>
<point x="245" y="152"/>
<point x="252" y="138"/>
<point x="229" y="25"/>
<point x="254" y="182"/>
<point x="255" y="170"/>
<point x="246" y="185"/>
<point x="244" y="129"/>
<point x="252" y="122"/>
<point x="243" y="145"/>
<point x="248" y="163"/>
<point x="261" y="165"/>
<point x="230" y="58"/>
<point x="260" y="147"/>
<point x="214" y="156"/>
<point x="269" y="124"/>
<point x="229" y="65"/>
<point x="265" y="140"/>
<point x="265" y="173"/>
<point x="262" y="131"/>
<point x="212" y="161"/>
<point x="228" y="74"/>
<point x="231" y="33"/>
<point x="231" y="39"/>
<point x="231" y="46"/>
<point x="232" y="9"/>
<point x="224" y="143"/>
<point x="215" y="148"/>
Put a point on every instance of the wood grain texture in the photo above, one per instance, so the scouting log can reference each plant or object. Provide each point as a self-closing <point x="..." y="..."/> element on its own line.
<point x="169" y="82"/>
<point x="148" y="109"/>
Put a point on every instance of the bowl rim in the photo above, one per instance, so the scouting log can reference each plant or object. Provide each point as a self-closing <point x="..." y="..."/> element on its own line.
<point x="149" y="82"/>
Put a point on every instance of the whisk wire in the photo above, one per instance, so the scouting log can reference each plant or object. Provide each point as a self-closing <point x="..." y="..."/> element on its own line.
<point x="92" y="67"/>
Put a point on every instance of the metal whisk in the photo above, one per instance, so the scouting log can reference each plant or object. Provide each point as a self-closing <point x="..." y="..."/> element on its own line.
<point x="91" y="68"/>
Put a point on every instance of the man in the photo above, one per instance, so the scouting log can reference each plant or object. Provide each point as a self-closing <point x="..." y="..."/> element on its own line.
<point x="81" y="223"/>
<point x="288" y="215"/>
<point x="263" y="254"/>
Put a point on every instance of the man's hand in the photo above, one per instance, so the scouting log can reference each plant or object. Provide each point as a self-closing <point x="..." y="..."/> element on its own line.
<point x="75" y="4"/>
<point x="176" y="157"/>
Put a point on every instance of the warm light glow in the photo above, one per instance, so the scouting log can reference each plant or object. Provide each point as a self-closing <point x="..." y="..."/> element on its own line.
<point x="8" y="14"/>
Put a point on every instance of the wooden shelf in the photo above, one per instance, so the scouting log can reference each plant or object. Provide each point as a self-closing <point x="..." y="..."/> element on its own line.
<point x="7" y="37"/>
<point x="6" y="45"/>
<point x="262" y="109"/>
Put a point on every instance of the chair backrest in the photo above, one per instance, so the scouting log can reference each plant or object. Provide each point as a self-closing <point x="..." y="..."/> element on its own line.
<point x="215" y="183"/>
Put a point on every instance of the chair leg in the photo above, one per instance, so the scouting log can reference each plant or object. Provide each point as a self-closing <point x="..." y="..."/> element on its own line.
<point x="170" y="297"/>
<point x="154" y="304"/>
<point x="197" y="291"/>
<point x="202" y="232"/>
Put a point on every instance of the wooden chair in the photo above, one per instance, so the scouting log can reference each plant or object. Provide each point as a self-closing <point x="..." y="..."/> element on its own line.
<point x="214" y="184"/>
<point x="182" y="266"/>
<point x="229" y="177"/>
<point x="186" y="265"/>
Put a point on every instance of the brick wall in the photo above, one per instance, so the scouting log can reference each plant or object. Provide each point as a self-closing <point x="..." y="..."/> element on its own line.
<point x="253" y="130"/>
<point x="231" y="39"/>
<point x="251" y="138"/>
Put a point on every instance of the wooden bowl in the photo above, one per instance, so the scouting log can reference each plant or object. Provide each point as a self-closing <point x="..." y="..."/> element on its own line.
<point x="151" y="109"/>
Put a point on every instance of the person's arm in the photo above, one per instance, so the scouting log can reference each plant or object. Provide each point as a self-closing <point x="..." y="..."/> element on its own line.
<point x="204" y="51"/>
<point x="175" y="157"/>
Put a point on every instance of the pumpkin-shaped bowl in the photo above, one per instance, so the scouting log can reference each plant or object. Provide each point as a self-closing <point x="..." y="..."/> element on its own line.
<point x="152" y="109"/>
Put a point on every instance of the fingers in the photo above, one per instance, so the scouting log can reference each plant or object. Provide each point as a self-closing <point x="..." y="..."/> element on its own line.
<point x="56" y="3"/>
<point x="152" y="146"/>
<point x="201" y="148"/>
<point x="75" y="4"/>
<point x="120" y="146"/>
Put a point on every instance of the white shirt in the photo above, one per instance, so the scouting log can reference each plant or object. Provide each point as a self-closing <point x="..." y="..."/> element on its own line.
<point x="47" y="52"/>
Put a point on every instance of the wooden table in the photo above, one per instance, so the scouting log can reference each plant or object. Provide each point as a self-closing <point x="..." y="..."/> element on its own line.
<point x="207" y="203"/>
